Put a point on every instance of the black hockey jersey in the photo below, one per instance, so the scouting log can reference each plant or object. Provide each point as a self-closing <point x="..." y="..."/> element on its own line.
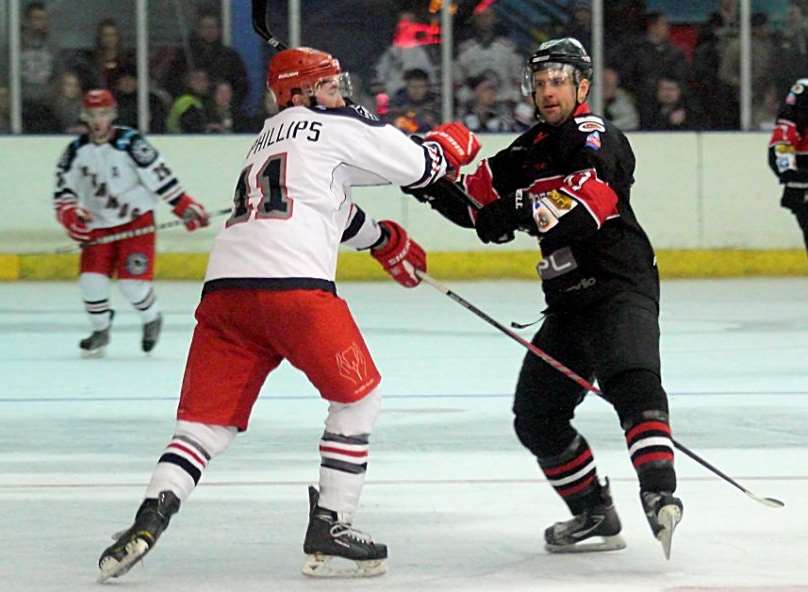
<point x="578" y="177"/>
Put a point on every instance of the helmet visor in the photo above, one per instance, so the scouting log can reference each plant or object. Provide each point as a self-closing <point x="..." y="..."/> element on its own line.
<point x="342" y="81"/>
<point x="559" y="75"/>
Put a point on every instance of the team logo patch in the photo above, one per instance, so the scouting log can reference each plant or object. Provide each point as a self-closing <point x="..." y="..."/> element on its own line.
<point x="137" y="264"/>
<point x="593" y="141"/>
<point x="142" y="152"/>
<point x="352" y="364"/>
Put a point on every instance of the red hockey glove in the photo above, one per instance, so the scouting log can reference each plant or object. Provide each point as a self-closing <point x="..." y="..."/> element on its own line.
<point x="400" y="255"/>
<point x="75" y="219"/>
<point x="460" y="145"/>
<point x="192" y="213"/>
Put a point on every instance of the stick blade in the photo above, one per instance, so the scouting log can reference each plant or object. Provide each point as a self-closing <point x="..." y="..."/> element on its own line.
<point x="259" y="18"/>
<point x="767" y="501"/>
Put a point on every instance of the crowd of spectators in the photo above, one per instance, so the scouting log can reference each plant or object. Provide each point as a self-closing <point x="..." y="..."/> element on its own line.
<point x="657" y="76"/>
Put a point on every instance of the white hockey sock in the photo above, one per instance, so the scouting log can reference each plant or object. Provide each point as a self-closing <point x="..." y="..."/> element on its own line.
<point x="185" y="459"/>
<point x="141" y="295"/>
<point x="95" y="293"/>
<point x="344" y="453"/>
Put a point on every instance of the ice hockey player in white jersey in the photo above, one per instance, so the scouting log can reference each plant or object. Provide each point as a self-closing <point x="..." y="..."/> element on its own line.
<point x="108" y="182"/>
<point x="269" y="295"/>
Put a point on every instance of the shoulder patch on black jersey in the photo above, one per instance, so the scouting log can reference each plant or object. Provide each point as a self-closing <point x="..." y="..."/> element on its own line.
<point x="352" y="111"/>
<point x="590" y="123"/>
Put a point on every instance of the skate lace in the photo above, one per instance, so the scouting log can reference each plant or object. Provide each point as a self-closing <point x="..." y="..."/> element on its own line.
<point x="341" y="529"/>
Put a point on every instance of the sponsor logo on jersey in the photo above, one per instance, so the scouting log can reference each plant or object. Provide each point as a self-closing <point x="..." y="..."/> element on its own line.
<point x="560" y="201"/>
<point x="137" y="263"/>
<point x="591" y="126"/>
<point x="557" y="263"/>
<point x="590" y="123"/>
<point x="352" y="364"/>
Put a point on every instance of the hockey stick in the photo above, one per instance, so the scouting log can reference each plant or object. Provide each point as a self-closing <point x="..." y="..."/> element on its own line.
<point x="123" y="235"/>
<point x="766" y="501"/>
<point x="260" y="22"/>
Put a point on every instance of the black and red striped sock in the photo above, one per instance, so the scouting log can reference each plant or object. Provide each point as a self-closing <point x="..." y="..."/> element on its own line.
<point x="573" y="475"/>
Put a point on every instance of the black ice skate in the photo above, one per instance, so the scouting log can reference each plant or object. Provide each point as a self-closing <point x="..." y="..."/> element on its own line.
<point x="95" y="345"/>
<point x="664" y="512"/>
<point x="151" y="520"/>
<point x="327" y="538"/>
<point x="599" y="521"/>
<point x="151" y="333"/>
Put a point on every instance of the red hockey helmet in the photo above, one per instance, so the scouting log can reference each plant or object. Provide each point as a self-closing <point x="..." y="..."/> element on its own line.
<point x="97" y="98"/>
<point x="297" y="71"/>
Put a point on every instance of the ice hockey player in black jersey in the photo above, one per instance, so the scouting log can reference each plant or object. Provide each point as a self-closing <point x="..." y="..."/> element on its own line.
<point x="567" y="180"/>
<point x="788" y="153"/>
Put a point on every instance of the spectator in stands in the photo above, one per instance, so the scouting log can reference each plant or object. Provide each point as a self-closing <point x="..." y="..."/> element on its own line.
<point x="223" y="117"/>
<point x="188" y="114"/>
<point x="721" y="103"/>
<point x="653" y="54"/>
<point x="67" y="103"/>
<point x="618" y="105"/>
<point x="405" y="53"/>
<point x="207" y="52"/>
<point x="763" y="51"/>
<point x="580" y="24"/>
<point x="791" y="49"/>
<point x="414" y="109"/>
<point x="486" y="113"/>
<point x="671" y="110"/>
<point x="39" y="62"/>
<point x="727" y="14"/>
<point x="490" y="51"/>
<point x="100" y="64"/>
<point x="124" y="86"/>
<point x="5" y="111"/>
<point x="764" y="115"/>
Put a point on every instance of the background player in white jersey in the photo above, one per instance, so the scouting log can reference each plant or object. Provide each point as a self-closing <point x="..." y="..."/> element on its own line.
<point x="109" y="181"/>
<point x="269" y="295"/>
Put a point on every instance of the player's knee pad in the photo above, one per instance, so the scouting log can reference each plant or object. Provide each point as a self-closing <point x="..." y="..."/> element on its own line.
<point x="94" y="286"/>
<point x="135" y="290"/>
<point x="354" y="418"/>
<point x="634" y="392"/>
<point x="212" y="439"/>
<point x="543" y="435"/>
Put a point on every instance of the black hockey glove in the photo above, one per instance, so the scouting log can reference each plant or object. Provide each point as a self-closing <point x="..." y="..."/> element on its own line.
<point x="498" y="220"/>
<point x="793" y="197"/>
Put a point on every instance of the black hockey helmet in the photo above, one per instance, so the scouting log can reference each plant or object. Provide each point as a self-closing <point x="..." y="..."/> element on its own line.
<point x="554" y="53"/>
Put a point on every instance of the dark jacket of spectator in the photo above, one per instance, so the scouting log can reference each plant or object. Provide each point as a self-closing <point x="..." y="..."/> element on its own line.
<point x="206" y="51"/>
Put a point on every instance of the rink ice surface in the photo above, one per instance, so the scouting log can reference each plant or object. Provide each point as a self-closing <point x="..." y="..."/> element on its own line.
<point x="461" y="505"/>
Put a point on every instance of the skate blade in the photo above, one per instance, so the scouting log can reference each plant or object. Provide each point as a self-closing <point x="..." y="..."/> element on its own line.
<point x="94" y="354"/>
<point x="320" y="566"/>
<point x="114" y="569"/>
<point x="607" y="543"/>
<point x="668" y="517"/>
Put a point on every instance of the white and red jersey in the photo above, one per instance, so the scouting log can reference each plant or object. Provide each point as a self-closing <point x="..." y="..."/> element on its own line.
<point x="293" y="196"/>
<point x="117" y="181"/>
